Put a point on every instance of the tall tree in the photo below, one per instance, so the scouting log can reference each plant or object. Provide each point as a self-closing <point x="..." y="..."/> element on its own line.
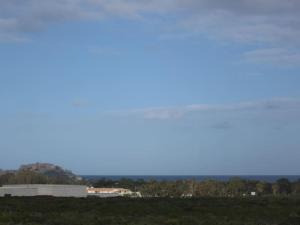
<point x="284" y="186"/>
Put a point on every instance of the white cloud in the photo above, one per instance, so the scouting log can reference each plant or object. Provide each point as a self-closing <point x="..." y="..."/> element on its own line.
<point x="273" y="23"/>
<point x="262" y="17"/>
<point x="31" y="15"/>
<point x="225" y="25"/>
<point x="274" y="56"/>
<point x="163" y="113"/>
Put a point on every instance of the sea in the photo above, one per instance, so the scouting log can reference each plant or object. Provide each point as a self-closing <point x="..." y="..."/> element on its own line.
<point x="266" y="178"/>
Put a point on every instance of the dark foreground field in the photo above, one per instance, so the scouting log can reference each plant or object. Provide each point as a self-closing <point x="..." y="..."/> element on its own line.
<point x="206" y="211"/>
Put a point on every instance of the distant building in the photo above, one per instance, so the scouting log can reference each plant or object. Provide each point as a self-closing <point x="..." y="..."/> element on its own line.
<point x="187" y="195"/>
<point x="111" y="192"/>
<point x="43" y="190"/>
<point x="252" y="193"/>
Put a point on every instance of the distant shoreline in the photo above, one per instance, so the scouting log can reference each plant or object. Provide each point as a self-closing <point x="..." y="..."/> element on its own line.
<point x="267" y="178"/>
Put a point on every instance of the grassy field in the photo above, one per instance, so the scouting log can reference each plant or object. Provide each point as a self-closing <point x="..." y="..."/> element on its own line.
<point x="159" y="211"/>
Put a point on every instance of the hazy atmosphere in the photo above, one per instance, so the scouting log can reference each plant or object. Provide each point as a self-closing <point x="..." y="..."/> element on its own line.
<point x="157" y="87"/>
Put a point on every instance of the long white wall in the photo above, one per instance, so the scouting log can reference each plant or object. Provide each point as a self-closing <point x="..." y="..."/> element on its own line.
<point x="48" y="190"/>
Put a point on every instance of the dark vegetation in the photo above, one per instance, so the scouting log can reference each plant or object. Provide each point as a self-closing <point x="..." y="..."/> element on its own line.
<point x="44" y="173"/>
<point x="150" y="211"/>
<point x="179" y="202"/>
<point x="235" y="187"/>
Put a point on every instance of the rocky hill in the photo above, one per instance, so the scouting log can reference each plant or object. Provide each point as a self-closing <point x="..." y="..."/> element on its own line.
<point x="49" y="170"/>
<point x="39" y="173"/>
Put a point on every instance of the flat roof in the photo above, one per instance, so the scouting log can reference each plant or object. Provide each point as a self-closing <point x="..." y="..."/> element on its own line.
<point x="40" y="185"/>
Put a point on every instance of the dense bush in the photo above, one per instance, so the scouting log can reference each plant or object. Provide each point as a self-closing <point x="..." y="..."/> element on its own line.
<point x="150" y="211"/>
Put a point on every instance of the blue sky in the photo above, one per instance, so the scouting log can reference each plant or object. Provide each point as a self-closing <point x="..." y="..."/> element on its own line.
<point x="151" y="87"/>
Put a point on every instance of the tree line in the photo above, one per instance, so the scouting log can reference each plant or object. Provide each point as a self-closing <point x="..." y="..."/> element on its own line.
<point x="235" y="187"/>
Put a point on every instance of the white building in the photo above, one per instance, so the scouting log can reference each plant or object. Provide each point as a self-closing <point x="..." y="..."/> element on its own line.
<point x="43" y="190"/>
<point x="111" y="192"/>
